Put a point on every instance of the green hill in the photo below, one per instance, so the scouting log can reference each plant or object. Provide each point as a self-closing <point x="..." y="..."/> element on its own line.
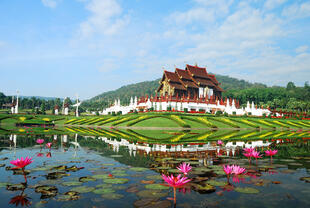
<point x="149" y="87"/>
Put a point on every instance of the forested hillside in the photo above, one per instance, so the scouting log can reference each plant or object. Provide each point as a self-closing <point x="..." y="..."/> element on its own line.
<point x="149" y="87"/>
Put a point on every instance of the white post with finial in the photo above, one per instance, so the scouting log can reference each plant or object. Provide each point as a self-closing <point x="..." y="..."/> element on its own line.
<point x="16" y="106"/>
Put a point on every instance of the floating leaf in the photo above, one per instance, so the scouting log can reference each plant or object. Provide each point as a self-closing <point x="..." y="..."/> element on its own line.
<point x="182" y="159"/>
<point x="15" y="187"/>
<point x="306" y="179"/>
<point x="247" y="190"/>
<point x="151" y="194"/>
<point x="112" y="196"/>
<point x="163" y="168"/>
<point x="3" y="184"/>
<point x="154" y="177"/>
<point x="116" y="180"/>
<point x="138" y="169"/>
<point x="216" y="183"/>
<point x="83" y="189"/>
<point x="71" y="183"/>
<point x="115" y="156"/>
<point x="87" y="179"/>
<point x="104" y="185"/>
<point x="103" y="191"/>
<point x="204" y="188"/>
<point x="47" y="191"/>
<point x="156" y="186"/>
<point x="174" y="171"/>
<point x="101" y="176"/>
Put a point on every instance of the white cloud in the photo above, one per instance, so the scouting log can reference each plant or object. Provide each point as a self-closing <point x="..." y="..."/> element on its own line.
<point x="301" y="49"/>
<point x="106" y="18"/>
<point x="296" y="11"/>
<point x="50" y="3"/>
<point x="108" y="65"/>
<point x="271" y="4"/>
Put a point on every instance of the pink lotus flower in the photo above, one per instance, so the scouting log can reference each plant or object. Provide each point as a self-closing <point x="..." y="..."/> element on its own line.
<point x="184" y="168"/>
<point x="271" y="152"/>
<point x="256" y="154"/>
<point x="49" y="154"/>
<point x="40" y="141"/>
<point x="175" y="181"/>
<point x="228" y="169"/>
<point x="237" y="170"/>
<point x="248" y="150"/>
<point x="220" y="142"/>
<point x="39" y="154"/>
<point x="49" y="145"/>
<point x="248" y="154"/>
<point x="21" y="163"/>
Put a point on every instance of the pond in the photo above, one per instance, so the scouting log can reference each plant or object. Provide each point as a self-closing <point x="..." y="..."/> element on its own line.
<point x="86" y="169"/>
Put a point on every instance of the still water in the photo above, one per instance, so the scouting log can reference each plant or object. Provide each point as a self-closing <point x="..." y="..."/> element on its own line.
<point x="107" y="171"/>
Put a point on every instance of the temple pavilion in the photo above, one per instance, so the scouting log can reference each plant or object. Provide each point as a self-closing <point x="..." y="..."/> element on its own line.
<point x="193" y="82"/>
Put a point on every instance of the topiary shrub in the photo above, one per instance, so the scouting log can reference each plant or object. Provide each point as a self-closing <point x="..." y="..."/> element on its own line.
<point x="185" y="110"/>
<point x="264" y="115"/>
<point x="234" y="113"/>
<point x="169" y="108"/>
<point x="249" y="113"/>
<point x="218" y="113"/>
<point x="113" y="113"/>
<point x="226" y="114"/>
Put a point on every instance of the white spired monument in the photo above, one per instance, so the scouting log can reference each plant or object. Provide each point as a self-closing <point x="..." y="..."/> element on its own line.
<point x="78" y="103"/>
<point x="65" y="107"/>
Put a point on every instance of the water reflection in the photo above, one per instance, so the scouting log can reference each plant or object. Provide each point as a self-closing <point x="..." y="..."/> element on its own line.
<point x="63" y="164"/>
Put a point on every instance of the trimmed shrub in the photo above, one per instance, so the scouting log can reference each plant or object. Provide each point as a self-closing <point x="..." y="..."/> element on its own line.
<point x="185" y="110"/>
<point x="113" y="113"/>
<point x="234" y="113"/>
<point x="264" y="115"/>
<point x="249" y="113"/>
<point x="119" y="113"/>
<point x="169" y="108"/>
<point x="226" y="114"/>
<point x="218" y="113"/>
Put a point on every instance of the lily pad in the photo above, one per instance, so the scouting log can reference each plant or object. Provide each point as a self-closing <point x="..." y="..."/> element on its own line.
<point x="101" y="176"/>
<point x="56" y="175"/>
<point x="87" y="179"/>
<point x="116" y="180"/>
<point x="138" y="169"/>
<point x="15" y="187"/>
<point x="104" y="185"/>
<point x="182" y="159"/>
<point x="71" y="183"/>
<point x="112" y="196"/>
<point x="103" y="191"/>
<point x="107" y="164"/>
<point x="115" y="156"/>
<point x="205" y="188"/>
<point x="174" y="171"/>
<point x="163" y="168"/>
<point x="306" y="179"/>
<point x="46" y="191"/>
<point x="219" y="172"/>
<point x="216" y="183"/>
<point x="295" y="164"/>
<point x="154" y="177"/>
<point x="3" y="184"/>
<point x="83" y="189"/>
<point x="156" y="186"/>
<point x="194" y="162"/>
<point x="151" y="194"/>
<point x="247" y="190"/>
<point x="2" y="165"/>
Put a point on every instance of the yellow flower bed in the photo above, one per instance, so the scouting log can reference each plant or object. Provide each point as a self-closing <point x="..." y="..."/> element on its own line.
<point x="45" y="119"/>
<point x="205" y="136"/>
<point x="248" y="122"/>
<point x="22" y="119"/>
<point x="266" y="123"/>
<point x="265" y="135"/>
<point x="71" y="120"/>
<point x="293" y="124"/>
<point x="177" y="138"/>
<point x="21" y="130"/>
<point x="177" y="118"/>
<point x="205" y="121"/>
<point x="248" y="135"/>
<point x="279" y="123"/>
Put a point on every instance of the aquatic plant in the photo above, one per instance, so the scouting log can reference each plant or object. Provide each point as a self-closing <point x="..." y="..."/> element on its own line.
<point x="256" y="154"/>
<point x="40" y="141"/>
<point x="175" y="182"/>
<point x="237" y="170"/>
<point x="233" y="169"/>
<point x="49" y="145"/>
<point x="21" y="164"/>
<point x="271" y="153"/>
<point x="184" y="168"/>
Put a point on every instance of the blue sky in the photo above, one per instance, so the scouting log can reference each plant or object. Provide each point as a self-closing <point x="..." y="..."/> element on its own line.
<point x="63" y="47"/>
